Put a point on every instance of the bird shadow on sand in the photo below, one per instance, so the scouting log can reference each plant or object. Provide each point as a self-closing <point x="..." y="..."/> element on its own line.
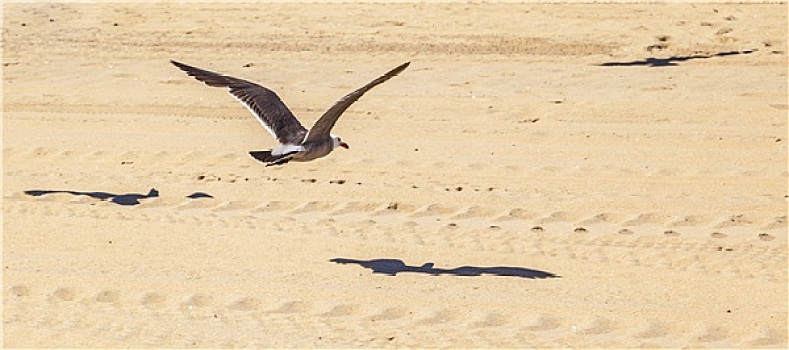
<point x="120" y="199"/>
<point x="392" y="267"/>
<point x="671" y="61"/>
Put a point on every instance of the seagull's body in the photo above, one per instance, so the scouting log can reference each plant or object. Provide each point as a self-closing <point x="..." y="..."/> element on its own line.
<point x="296" y="142"/>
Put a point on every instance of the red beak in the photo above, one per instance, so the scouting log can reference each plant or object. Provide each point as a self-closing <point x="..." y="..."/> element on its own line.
<point x="344" y="145"/>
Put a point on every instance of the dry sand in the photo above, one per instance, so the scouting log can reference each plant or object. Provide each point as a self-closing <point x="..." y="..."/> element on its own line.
<point x="541" y="176"/>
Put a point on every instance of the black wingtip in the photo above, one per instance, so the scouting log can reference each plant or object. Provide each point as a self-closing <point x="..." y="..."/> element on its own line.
<point x="398" y="69"/>
<point x="178" y="64"/>
<point x="183" y="66"/>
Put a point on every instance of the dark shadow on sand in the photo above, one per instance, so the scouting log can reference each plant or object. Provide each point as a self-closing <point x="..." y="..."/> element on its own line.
<point x="197" y="195"/>
<point x="392" y="267"/>
<point x="121" y="199"/>
<point x="671" y="61"/>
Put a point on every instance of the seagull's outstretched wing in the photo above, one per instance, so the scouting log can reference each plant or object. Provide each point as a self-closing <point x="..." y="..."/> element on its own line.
<point x="264" y="104"/>
<point x="326" y="122"/>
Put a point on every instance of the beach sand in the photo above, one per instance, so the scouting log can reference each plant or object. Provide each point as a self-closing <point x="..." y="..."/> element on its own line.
<point x="542" y="175"/>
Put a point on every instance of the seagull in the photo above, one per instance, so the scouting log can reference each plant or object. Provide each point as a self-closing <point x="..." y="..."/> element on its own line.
<point x="296" y="142"/>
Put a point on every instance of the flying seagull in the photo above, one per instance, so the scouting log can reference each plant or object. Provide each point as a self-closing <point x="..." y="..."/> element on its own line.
<point x="296" y="142"/>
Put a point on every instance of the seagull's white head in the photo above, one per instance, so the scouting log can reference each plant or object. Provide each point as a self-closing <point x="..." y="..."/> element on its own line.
<point x="337" y="142"/>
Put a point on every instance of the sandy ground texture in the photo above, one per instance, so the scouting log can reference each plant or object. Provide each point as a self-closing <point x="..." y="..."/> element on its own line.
<point x="540" y="176"/>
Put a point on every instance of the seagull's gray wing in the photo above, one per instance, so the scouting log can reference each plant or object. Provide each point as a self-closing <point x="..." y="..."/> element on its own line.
<point x="326" y="122"/>
<point x="264" y="104"/>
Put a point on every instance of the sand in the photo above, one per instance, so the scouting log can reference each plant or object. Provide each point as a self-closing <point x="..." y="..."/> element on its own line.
<point x="542" y="175"/>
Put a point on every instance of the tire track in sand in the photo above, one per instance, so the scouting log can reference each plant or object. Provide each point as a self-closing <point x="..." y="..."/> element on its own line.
<point x="233" y="316"/>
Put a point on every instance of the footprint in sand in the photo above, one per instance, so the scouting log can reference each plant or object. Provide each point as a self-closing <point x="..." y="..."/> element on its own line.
<point x="20" y="291"/>
<point x="596" y="325"/>
<point x="492" y="319"/>
<point x="709" y="333"/>
<point x="650" y="329"/>
<point x="434" y="210"/>
<point x="389" y="314"/>
<point x="517" y="214"/>
<point x="541" y="322"/>
<point x="355" y="207"/>
<point x="474" y="212"/>
<point x="767" y="337"/>
<point x="341" y="310"/>
<point x="62" y="294"/>
<point x="245" y="304"/>
<point x="291" y="307"/>
<point x="313" y="206"/>
<point x="197" y="301"/>
<point x="438" y="317"/>
<point x="153" y="300"/>
<point x="108" y="297"/>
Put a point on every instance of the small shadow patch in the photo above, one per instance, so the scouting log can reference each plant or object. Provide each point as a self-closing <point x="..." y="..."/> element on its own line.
<point x="199" y="195"/>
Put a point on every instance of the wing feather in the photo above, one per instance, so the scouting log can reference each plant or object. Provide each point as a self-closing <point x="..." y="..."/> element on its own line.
<point x="326" y="122"/>
<point x="264" y="104"/>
